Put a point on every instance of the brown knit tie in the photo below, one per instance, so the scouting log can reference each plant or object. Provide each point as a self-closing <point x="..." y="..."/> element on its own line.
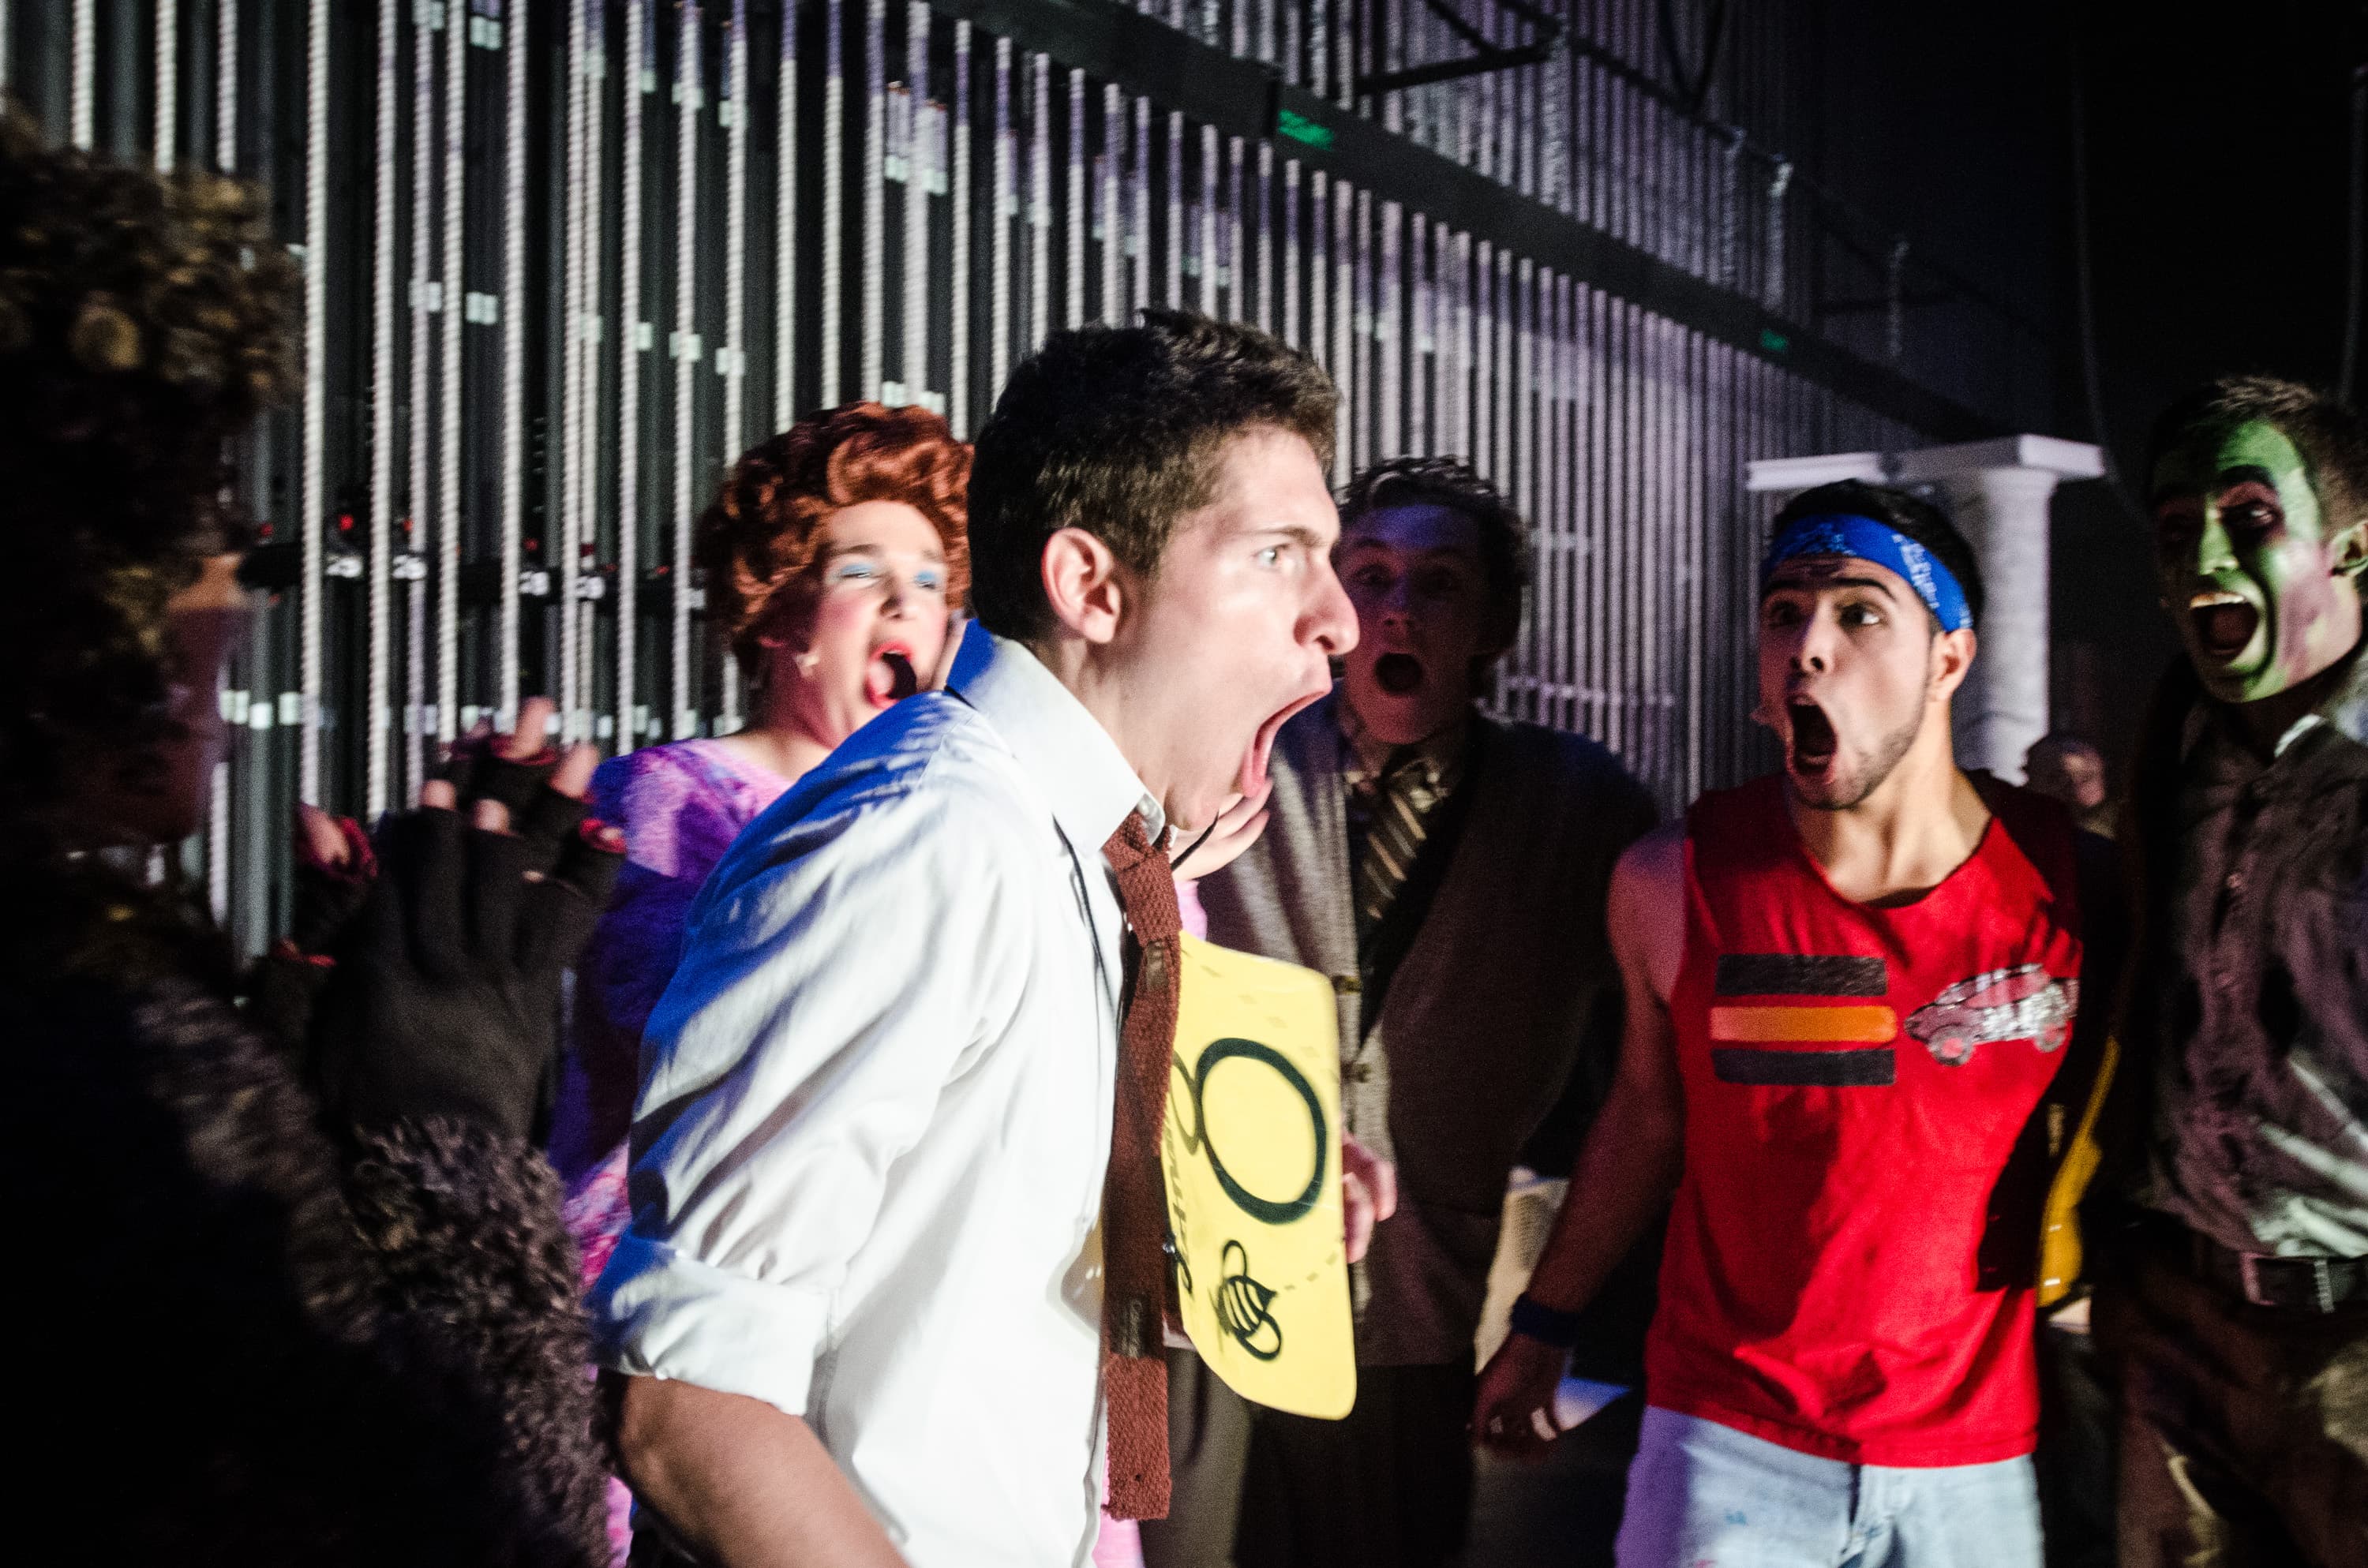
<point x="1134" y="1206"/>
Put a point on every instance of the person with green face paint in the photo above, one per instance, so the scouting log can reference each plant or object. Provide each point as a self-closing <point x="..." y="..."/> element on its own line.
<point x="2236" y="1303"/>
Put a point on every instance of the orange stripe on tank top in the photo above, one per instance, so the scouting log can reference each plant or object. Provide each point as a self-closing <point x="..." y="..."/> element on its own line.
<point x="1857" y="1025"/>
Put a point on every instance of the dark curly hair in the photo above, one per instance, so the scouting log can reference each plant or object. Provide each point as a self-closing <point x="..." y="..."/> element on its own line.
<point x="144" y="322"/>
<point x="763" y="532"/>
<point x="1453" y="484"/>
<point x="1116" y="430"/>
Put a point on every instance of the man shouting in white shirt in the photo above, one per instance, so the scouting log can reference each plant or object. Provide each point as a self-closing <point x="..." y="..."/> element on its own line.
<point x="860" y="1305"/>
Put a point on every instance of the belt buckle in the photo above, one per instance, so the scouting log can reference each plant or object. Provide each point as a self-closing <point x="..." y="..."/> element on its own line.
<point x="2248" y="1278"/>
<point x="2322" y="1280"/>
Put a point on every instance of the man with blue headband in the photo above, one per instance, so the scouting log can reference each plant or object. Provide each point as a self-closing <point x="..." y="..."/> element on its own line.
<point x="1853" y="1058"/>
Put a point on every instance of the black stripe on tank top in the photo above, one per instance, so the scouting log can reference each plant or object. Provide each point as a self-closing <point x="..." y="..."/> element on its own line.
<point x="1871" y="1068"/>
<point x="1801" y="974"/>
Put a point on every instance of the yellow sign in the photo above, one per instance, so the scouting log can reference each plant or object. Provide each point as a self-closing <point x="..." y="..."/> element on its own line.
<point x="1251" y="1157"/>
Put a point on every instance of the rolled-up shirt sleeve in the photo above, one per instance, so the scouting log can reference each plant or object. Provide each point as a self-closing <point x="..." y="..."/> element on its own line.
<point x="844" y="958"/>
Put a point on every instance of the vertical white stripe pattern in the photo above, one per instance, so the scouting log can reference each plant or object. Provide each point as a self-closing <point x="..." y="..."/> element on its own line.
<point x="168" y="82"/>
<point x="313" y="487"/>
<point x="452" y="390"/>
<point x="687" y="33"/>
<point x="511" y="308"/>
<point x="82" y="62"/>
<point x="875" y="108"/>
<point x="1040" y="200"/>
<point x="638" y="23"/>
<point x="226" y="86"/>
<point x="920" y="166"/>
<point x="733" y="362"/>
<point x="376" y="704"/>
<point x="834" y="246"/>
<point x="957" y="394"/>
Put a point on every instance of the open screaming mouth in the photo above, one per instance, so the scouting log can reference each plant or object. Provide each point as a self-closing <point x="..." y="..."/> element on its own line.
<point x="1253" y="774"/>
<point x="1813" y="735"/>
<point x="2223" y="622"/>
<point x="891" y="678"/>
<point x="1398" y="673"/>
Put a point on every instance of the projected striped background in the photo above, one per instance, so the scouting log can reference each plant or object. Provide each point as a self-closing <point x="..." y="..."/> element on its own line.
<point x="563" y="260"/>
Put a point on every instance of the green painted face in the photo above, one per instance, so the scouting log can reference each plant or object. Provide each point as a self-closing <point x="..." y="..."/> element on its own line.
<point x="2259" y="577"/>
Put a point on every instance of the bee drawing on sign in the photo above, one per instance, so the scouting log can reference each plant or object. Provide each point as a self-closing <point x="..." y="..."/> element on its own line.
<point x="1245" y="1308"/>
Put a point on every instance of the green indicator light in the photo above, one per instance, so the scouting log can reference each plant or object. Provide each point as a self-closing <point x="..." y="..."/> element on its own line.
<point x="1299" y="128"/>
<point x="1773" y="341"/>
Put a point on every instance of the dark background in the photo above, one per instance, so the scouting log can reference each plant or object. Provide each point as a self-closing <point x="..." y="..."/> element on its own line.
<point x="2217" y="162"/>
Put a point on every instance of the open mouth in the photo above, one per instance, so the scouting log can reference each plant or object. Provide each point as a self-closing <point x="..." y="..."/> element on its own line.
<point x="889" y="677"/>
<point x="2223" y="622"/>
<point x="1398" y="674"/>
<point x="1254" y="762"/>
<point x="1813" y="740"/>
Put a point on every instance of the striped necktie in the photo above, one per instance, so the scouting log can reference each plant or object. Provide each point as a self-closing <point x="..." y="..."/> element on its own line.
<point x="1402" y="797"/>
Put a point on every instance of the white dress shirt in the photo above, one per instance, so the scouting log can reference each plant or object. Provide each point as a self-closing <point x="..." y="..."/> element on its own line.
<point x="875" y="1110"/>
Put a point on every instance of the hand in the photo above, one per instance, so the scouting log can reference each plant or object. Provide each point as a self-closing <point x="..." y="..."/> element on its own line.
<point x="1368" y="1194"/>
<point x="444" y="998"/>
<point x="1513" y="1413"/>
<point x="1237" y="828"/>
<point x="334" y="869"/>
<point x="955" y="622"/>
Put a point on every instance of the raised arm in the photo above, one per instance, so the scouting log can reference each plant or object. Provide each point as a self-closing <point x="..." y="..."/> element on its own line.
<point x="1630" y="1162"/>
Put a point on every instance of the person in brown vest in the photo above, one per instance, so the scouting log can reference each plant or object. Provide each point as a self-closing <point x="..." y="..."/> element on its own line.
<point x="1448" y="871"/>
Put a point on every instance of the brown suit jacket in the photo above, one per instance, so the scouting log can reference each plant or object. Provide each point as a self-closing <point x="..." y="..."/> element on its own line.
<point x="1506" y="992"/>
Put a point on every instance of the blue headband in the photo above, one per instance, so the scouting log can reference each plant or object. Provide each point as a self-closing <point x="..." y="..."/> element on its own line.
<point x="1863" y="538"/>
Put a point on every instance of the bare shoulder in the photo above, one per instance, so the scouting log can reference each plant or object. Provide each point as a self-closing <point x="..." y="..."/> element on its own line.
<point x="1647" y="913"/>
<point x="1653" y="868"/>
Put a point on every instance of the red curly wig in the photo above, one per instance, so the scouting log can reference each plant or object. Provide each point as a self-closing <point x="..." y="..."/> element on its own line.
<point x="761" y="537"/>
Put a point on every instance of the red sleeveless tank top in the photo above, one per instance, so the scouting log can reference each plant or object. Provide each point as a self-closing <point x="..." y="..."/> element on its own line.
<point x="1855" y="1079"/>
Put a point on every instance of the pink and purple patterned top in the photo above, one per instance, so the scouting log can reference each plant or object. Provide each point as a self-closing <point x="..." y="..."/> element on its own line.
<point x="680" y="806"/>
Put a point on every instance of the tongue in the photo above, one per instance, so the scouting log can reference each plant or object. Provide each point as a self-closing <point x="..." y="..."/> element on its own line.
<point x="1251" y="779"/>
<point x="889" y="678"/>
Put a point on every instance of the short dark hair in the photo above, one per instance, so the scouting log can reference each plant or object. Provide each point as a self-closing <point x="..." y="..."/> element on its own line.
<point x="1450" y="482"/>
<point x="1901" y="511"/>
<point x="1116" y="431"/>
<point x="2331" y="437"/>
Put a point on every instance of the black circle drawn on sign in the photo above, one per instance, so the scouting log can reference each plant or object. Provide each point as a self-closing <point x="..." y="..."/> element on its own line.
<point x="1250" y="1203"/>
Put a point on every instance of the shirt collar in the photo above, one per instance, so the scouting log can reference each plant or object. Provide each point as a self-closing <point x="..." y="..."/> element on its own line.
<point x="1442" y="753"/>
<point x="2344" y="711"/>
<point x="2346" y="708"/>
<point x="1060" y="746"/>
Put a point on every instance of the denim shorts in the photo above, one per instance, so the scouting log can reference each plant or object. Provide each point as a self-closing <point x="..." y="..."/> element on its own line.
<point x="1703" y="1496"/>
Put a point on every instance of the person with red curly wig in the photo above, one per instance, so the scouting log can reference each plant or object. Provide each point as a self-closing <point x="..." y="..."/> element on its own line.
<point x="835" y="555"/>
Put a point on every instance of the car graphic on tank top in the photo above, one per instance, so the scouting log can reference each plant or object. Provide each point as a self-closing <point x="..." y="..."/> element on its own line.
<point x="2021" y="1003"/>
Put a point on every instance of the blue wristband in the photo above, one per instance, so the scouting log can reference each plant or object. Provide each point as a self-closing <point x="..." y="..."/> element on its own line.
<point x="1543" y="1324"/>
